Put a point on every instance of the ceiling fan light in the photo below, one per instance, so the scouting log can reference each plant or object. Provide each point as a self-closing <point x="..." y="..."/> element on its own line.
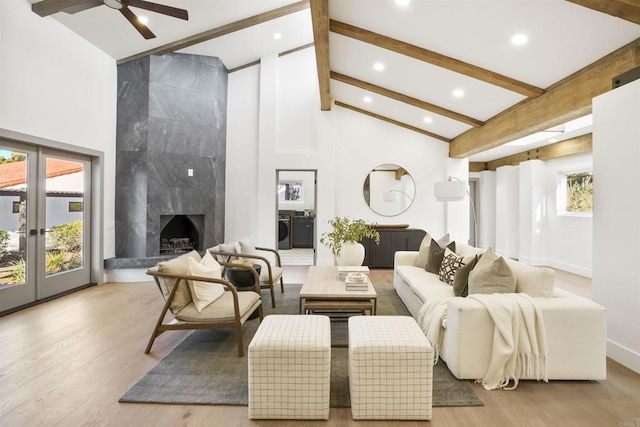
<point x="519" y="39"/>
<point x="114" y="4"/>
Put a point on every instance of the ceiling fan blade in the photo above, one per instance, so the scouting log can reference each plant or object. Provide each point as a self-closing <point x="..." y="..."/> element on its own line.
<point x="142" y="29"/>
<point x="160" y="8"/>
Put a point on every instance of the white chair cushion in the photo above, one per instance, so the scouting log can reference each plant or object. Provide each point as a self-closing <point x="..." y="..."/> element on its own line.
<point x="204" y="293"/>
<point x="276" y="272"/>
<point x="221" y="310"/>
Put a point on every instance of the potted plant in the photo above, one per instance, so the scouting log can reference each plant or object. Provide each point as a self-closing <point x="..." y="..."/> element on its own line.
<point x="345" y="237"/>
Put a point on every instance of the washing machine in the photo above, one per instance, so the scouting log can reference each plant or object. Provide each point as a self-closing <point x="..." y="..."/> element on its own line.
<point x="284" y="231"/>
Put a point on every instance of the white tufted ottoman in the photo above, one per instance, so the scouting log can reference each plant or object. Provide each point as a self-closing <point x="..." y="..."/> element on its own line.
<point x="289" y="368"/>
<point x="390" y="369"/>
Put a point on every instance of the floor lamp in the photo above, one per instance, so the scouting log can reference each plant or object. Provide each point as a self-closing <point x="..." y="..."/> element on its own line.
<point x="455" y="190"/>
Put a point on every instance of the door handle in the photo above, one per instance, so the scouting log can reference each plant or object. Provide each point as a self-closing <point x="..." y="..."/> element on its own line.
<point x="33" y="232"/>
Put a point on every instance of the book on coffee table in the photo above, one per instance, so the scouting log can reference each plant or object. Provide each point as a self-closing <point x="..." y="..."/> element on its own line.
<point x="343" y="270"/>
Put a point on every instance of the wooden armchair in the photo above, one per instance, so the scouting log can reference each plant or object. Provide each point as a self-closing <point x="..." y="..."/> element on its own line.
<point x="230" y="310"/>
<point x="270" y="273"/>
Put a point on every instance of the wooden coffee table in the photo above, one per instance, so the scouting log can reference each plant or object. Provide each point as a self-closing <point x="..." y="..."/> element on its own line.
<point x="324" y="290"/>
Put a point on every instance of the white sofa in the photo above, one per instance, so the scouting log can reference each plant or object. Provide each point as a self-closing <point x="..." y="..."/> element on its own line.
<point x="575" y="327"/>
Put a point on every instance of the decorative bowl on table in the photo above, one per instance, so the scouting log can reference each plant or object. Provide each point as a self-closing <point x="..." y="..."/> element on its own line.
<point x="356" y="277"/>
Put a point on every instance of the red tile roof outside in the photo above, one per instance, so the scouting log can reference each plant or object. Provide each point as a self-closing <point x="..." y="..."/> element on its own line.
<point x="15" y="173"/>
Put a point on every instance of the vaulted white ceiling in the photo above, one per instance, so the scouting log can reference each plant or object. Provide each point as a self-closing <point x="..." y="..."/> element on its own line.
<point x="563" y="38"/>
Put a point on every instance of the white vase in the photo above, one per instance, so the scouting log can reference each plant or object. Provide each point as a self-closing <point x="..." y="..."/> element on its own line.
<point x="352" y="253"/>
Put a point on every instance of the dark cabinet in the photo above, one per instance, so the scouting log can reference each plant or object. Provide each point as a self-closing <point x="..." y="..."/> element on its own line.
<point x="391" y="241"/>
<point x="302" y="232"/>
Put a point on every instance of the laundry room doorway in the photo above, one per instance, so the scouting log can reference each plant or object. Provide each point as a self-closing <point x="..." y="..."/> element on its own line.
<point x="296" y="228"/>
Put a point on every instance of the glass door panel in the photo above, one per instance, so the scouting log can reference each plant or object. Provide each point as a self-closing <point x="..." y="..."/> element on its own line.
<point x="18" y="172"/>
<point x="63" y="238"/>
<point x="64" y="215"/>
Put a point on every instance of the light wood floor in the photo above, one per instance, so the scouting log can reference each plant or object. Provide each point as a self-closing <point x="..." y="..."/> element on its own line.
<point x="68" y="361"/>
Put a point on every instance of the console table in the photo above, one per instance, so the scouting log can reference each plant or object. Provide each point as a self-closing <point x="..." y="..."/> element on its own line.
<point x="391" y="241"/>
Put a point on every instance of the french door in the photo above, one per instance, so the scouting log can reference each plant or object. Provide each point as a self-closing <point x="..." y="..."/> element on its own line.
<point x="45" y="198"/>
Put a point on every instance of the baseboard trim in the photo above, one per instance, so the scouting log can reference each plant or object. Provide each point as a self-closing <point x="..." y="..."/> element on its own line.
<point x="126" y="275"/>
<point x="575" y="269"/>
<point x="533" y="261"/>
<point x="623" y="355"/>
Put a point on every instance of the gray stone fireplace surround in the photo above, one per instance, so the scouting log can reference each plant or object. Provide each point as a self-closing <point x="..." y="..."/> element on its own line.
<point x="171" y="123"/>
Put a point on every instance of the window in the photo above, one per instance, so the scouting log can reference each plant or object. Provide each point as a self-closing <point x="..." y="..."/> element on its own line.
<point x="576" y="195"/>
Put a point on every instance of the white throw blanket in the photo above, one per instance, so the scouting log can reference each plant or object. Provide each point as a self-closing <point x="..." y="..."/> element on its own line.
<point x="431" y="319"/>
<point x="519" y="343"/>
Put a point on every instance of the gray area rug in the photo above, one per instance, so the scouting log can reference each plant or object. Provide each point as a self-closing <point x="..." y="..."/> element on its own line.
<point x="205" y="368"/>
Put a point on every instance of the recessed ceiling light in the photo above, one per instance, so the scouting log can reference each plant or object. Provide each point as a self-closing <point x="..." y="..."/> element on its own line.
<point x="519" y="39"/>
<point x="277" y="36"/>
<point x="143" y="20"/>
<point x="403" y="3"/>
<point x="458" y="93"/>
<point x="378" y="66"/>
<point x="367" y="99"/>
<point x="428" y="119"/>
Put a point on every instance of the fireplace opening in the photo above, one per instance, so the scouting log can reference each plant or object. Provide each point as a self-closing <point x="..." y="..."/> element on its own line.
<point x="181" y="233"/>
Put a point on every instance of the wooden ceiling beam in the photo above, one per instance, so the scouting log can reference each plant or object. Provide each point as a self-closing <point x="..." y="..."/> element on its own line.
<point x="629" y="10"/>
<point x="406" y="99"/>
<point x="220" y="31"/>
<point x="577" y="145"/>
<point x="566" y="100"/>
<point x="392" y="121"/>
<point x="281" y="54"/>
<point x="320" y="22"/>
<point x="434" y="58"/>
<point x="49" y="7"/>
<point x="477" y="166"/>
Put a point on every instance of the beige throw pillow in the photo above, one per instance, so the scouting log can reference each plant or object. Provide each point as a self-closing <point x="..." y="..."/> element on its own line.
<point x="535" y="281"/>
<point x="491" y="274"/>
<point x="224" y="247"/>
<point x="245" y="246"/>
<point x="204" y="293"/>
<point x="178" y="265"/>
<point x="423" y="252"/>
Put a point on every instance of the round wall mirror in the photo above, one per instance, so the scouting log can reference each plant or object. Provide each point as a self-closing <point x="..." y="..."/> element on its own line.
<point x="389" y="190"/>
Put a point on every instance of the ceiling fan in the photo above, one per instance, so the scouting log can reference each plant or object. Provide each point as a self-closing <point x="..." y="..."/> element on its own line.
<point x="47" y="7"/>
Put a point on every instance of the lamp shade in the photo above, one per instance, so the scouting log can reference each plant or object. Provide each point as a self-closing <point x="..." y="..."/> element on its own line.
<point x="450" y="190"/>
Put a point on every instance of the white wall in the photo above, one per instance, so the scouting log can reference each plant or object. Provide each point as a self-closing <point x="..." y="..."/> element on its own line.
<point x="290" y="132"/>
<point x="486" y="209"/>
<point x="57" y="86"/>
<point x="570" y="238"/>
<point x="241" y="197"/>
<point x="533" y="213"/>
<point x="508" y="211"/>
<point x="519" y="215"/>
<point x="616" y="218"/>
